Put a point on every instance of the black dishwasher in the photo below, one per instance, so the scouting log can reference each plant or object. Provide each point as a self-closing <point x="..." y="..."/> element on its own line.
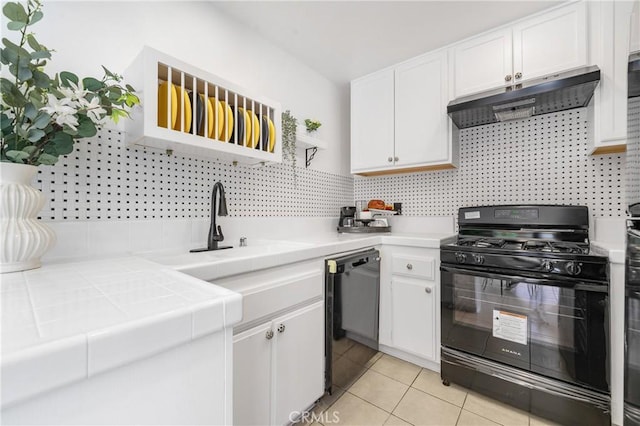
<point x="352" y="294"/>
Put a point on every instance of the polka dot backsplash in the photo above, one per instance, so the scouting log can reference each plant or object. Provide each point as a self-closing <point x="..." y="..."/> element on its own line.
<point x="633" y="152"/>
<point x="104" y="180"/>
<point x="543" y="159"/>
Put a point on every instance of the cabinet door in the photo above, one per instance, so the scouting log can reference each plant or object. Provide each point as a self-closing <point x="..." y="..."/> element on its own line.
<point x="298" y="361"/>
<point x="372" y="122"/>
<point x="554" y="41"/>
<point x="413" y="316"/>
<point x="421" y="111"/>
<point x="252" y="376"/>
<point x="482" y="63"/>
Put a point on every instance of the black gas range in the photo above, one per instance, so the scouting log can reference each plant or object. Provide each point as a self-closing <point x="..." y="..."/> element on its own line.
<point x="549" y="240"/>
<point x="525" y="311"/>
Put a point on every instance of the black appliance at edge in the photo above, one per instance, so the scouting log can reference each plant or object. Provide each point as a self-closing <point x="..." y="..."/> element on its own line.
<point x="346" y="212"/>
<point x="525" y="310"/>
<point x="552" y="93"/>
<point x="632" y="261"/>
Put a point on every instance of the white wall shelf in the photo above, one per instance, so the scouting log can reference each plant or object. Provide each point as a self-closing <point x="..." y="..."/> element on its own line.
<point x="310" y="144"/>
<point x="150" y="127"/>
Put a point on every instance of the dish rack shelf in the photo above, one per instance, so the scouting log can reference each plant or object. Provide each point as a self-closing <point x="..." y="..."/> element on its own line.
<point x="200" y="113"/>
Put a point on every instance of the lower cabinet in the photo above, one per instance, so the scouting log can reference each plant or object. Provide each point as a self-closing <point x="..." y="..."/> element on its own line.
<point x="409" y="304"/>
<point x="413" y="316"/>
<point x="279" y="367"/>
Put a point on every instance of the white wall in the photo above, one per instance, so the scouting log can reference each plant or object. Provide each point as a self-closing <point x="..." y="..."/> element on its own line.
<point x="88" y="34"/>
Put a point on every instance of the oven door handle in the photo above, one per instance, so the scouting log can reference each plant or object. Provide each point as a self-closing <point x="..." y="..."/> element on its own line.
<point x="532" y="280"/>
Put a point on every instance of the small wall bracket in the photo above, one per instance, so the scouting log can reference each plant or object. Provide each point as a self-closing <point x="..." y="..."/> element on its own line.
<point x="308" y="157"/>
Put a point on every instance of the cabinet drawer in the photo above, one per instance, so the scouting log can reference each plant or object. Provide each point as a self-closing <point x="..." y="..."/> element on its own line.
<point x="413" y="266"/>
<point x="271" y="297"/>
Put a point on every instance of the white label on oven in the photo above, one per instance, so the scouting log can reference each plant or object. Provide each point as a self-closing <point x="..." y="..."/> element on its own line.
<point x="510" y="326"/>
<point x="472" y="215"/>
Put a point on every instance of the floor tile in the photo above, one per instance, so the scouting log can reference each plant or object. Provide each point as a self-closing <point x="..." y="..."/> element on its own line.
<point x="539" y="421"/>
<point x="494" y="410"/>
<point x="468" y="418"/>
<point x="351" y="410"/>
<point x="360" y="354"/>
<point x="373" y="360"/>
<point x="379" y="390"/>
<point x="396" y="421"/>
<point x="395" y="368"/>
<point x="429" y="381"/>
<point x="419" y="408"/>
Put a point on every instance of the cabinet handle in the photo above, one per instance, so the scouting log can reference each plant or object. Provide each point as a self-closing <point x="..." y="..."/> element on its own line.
<point x="427" y="290"/>
<point x="396" y="159"/>
<point x="409" y="266"/>
<point x="390" y="159"/>
<point x="281" y="328"/>
<point x="507" y="77"/>
<point x="518" y="75"/>
<point x="269" y="335"/>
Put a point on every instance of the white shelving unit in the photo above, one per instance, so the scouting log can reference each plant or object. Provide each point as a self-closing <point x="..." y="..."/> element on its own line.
<point x="310" y="144"/>
<point x="152" y="68"/>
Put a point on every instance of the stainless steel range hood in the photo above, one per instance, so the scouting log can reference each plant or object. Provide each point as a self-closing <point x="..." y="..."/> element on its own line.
<point x="634" y="75"/>
<point x="557" y="92"/>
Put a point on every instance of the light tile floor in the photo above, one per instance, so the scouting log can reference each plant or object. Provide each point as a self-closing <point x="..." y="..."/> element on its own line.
<point x="395" y="392"/>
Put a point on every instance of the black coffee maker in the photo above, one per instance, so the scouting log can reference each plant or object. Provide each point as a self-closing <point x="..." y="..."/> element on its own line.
<point x="345" y="212"/>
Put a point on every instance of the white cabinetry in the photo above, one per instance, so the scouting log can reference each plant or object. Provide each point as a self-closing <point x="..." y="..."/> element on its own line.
<point x="552" y="41"/>
<point x="409" y="304"/>
<point x="372" y="121"/>
<point x="279" y="344"/>
<point x="398" y="118"/>
<point x="610" y="30"/>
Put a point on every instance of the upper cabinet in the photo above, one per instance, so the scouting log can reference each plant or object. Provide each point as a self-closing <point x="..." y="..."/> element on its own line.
<point x="398" y="118"/>
<point x="610" y="32"/>
<point x="482" y="63"/>
<point x="552" y="41"/>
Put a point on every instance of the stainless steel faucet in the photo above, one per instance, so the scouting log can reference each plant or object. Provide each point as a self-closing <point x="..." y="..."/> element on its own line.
<point x="215" y="231"/>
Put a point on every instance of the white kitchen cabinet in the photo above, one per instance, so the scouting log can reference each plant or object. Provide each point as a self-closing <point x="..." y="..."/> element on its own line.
<point x="278" y="346"/>
<point x="410" y="304"/>
<point x="421" y="126"/>
<point x="552" y="41"/>
<point x="298" y="367"/>
<point x="279" y="367"/>
<point x="611" y="33"/>
<point x="372" y="121"/>
<point x="252" y="375"/>
<point x="399" y="121"/>
<point x="482" y="63"/>
<point x="413" y="316"/>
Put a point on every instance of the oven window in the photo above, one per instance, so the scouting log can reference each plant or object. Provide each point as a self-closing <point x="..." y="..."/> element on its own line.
<point x="553" y="330"/>
<point x="632" y="374"/>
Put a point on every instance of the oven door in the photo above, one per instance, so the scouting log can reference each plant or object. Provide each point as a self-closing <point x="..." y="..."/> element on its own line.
<point x="551" y="327"/>
<point x="632" y="349"/>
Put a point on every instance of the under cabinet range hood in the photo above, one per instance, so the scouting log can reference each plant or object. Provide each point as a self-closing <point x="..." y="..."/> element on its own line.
<point x="557" y="92"/>
<point x="634" y="75"/>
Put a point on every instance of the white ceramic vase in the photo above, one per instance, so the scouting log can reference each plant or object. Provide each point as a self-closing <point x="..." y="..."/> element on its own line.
<point x="23" y="238"/>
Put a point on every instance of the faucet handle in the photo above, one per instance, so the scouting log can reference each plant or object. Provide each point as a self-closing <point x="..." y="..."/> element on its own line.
<point x="219" y="236"/>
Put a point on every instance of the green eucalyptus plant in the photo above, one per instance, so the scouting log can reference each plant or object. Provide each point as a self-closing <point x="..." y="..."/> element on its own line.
<point x="41" y="117"/>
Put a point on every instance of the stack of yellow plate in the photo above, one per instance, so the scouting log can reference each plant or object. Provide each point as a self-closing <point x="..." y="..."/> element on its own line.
<point x="227" y="124"/>
<point x="178" y="95"/>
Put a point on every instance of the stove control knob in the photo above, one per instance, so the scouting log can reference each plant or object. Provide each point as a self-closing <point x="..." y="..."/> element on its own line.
<point x="547" y="265"/>
<point x="478" y="259"/>
<point x="461" y="257"/>
<point x="573" y="268"/>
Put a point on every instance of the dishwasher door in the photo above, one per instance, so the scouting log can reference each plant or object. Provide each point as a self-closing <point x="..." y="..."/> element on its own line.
<point x="352" y="297"/>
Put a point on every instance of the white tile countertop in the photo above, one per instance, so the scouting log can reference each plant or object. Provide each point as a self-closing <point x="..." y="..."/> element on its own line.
<point x="68" y="322"/>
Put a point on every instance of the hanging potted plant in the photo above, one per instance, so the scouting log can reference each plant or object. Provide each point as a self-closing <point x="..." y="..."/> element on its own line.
<point x="289" y="129"/>
<point x="41" y="118"/>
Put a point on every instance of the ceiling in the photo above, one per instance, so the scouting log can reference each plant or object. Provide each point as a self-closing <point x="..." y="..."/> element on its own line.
<point x="346" y="39"/>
